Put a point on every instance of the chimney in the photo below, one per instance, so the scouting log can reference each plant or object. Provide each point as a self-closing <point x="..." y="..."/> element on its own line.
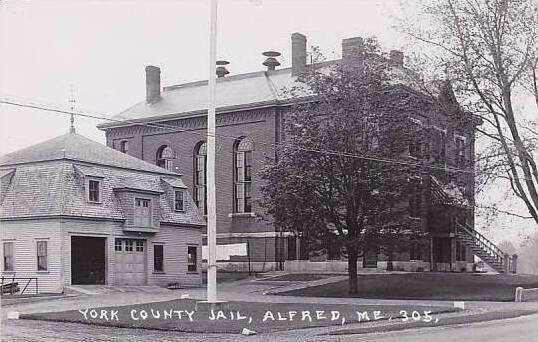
<point x="397" y="57"/>
<point x="271" y="62"/>
<point x="221" y="69"/>
<point x="352" y="50"/>
<point x="298" y="53"/>
<point x="153" y="84"/>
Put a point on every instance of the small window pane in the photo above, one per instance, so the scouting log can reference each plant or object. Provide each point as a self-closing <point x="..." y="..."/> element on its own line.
<point x="8" y="256"/>
<point x="191" y="259"/>
<point x="117" y="245"/>
<point x="93" y="190"/>
<point x="139" y="245"/>
<point x="158" y="258"/>
<point x="179" y="205"/>
<point x="41" y="255"/>
<point x="128" y="245"/>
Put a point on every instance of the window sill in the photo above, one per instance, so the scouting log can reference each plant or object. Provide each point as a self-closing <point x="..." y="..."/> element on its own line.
<point x="9" y="272"/>
<point x="242" y="215"/>
<point x="414" y="218"/>
<point x="42" y="272"/>
<point x="192" y="272"/>
<point x="93" y="202"/>
<point x="159" y="272"/>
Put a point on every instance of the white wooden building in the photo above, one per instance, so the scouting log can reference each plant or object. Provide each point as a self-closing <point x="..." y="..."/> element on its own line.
<point x="73" y="211"/>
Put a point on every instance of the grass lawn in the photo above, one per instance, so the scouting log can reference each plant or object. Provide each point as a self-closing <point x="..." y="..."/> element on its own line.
<point x="165" y="316"/>
<point x="429" y="286"/>
<point x="299" y="277"/>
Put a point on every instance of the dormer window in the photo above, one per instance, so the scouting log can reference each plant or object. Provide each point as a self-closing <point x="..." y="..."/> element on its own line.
<point x="142" y="212"/>
<point x="179" y="200"/>
<point x="94" y="190"/>
<point x="124" y="146"/>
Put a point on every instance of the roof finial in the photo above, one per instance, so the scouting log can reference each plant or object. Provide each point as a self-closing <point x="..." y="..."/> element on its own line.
<point x="72" y="109"/>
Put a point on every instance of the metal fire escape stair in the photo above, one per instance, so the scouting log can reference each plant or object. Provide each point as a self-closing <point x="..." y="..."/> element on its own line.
<point x="486" y="250"/>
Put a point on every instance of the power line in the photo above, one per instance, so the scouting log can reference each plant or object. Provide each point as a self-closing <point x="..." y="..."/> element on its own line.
<point x="272" y="145"/>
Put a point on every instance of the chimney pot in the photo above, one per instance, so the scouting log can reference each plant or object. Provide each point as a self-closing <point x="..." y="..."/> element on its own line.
<point x="221" y="69"/>
<point x="298" y="53"/>
<point x="397" y="57"/>
<point x="271" y="62"/>
<point x="352" y="49"/>
<point x="153" y="84"/>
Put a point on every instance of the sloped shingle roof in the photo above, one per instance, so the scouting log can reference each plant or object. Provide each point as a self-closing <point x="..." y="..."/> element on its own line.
<point x="76" y="147"/>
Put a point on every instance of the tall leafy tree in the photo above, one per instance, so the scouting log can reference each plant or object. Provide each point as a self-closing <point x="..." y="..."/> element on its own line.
<point x="342" y="178"/>
<point x="489" y="48"/>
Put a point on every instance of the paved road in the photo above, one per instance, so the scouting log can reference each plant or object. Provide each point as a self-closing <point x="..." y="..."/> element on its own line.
<point x="522" y="329"/>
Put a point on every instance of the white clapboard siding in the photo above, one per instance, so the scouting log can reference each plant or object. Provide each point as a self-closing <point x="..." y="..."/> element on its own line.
<point x="175" y="241"/>
<point x="25" y="234"/>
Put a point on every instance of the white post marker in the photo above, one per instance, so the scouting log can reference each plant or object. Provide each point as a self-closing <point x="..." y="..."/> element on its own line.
<point x="459" y="305"/>
<point x="211" y="194"/>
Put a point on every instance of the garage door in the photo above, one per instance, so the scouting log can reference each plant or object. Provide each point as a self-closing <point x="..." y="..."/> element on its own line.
<point x="130" y="261"/>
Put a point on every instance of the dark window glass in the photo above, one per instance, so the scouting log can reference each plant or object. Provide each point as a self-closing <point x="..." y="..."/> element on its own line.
<point x="192" y="260"/>
<point x="460" y="152"/>
<point x="93" y="190"/>
<point x="128" y="245"/>
<point x="158" y="258"/>
<point x="243" y="176"/>
<point x="164" y="157"/>
<point x="124" y="146"/>
<point x="415" y="198"/>
<point x="8" y="256"/>
<point x="139" y="245"/>
<point x="41" y="255"/>
<point x="200" y="177"/>
<point x="117" y="245"/>
<point x="178" y="200"/>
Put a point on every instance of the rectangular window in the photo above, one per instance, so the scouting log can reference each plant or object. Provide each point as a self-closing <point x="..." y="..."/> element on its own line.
<point x="415" y="253"/>
<point x="179" y="200"/>
<point x="142" y="212"/>
<point x="460" y="151"/>
<point x="415" y="149"/>
<point x="192" y="264"/>
<point x="415" y="198"/>
<point x="117" y="245"/>
<point x="243" y="181"/>
<point x="93" y="190"/>
<point x="128" y="245"/>
<point x="42" y="256"/>
<point x="8" y="257"/>
<point x="158" y="258"/>
<point x="139" y="245"/>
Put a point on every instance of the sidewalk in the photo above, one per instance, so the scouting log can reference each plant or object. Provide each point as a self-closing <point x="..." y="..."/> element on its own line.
<point x="252" y="290"/>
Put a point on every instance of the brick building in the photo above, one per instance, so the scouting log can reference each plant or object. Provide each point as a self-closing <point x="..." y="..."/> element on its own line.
<point x="168" y="129"/>
<point x="74" y="211"/>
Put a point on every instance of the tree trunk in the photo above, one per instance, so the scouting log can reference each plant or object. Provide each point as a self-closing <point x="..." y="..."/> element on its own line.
<point x="390" y="266"/>
<point x="352" y="271"/>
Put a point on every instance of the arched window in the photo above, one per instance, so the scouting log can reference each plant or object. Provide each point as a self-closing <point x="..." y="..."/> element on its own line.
<point x="124" y="146"/>
<point x="164" y="157"/>
<point x="200" y="177"/>
<point x="243" y="175"/>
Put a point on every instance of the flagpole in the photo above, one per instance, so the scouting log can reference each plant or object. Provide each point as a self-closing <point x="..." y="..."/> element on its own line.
<point x="211" y="193"/>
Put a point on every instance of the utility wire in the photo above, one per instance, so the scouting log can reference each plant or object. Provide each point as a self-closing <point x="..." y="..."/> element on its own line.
<point x="203" y="134"/>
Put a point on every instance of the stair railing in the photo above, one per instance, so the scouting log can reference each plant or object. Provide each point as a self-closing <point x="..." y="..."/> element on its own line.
<point x="438" y="194"/>
<point x="482" y="242"/>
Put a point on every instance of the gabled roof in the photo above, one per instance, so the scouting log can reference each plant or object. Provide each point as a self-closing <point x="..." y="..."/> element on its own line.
<point x="72" y="146"/>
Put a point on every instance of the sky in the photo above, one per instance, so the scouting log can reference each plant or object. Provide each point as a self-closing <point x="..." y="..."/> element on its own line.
<point x="95" y="52"/>
<point x="99" y="50"/>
